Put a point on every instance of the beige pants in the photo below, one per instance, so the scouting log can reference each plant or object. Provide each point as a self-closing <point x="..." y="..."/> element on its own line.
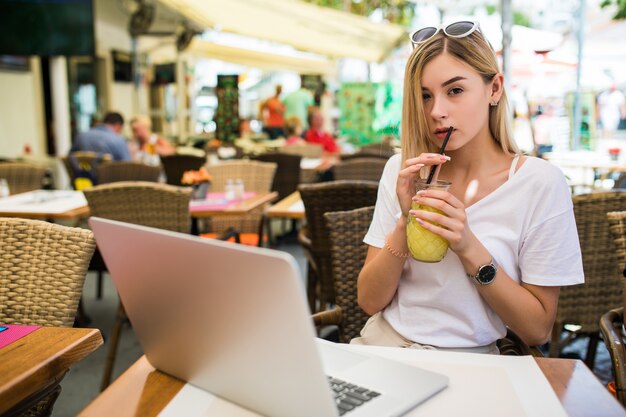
<point x="378" y="332"/>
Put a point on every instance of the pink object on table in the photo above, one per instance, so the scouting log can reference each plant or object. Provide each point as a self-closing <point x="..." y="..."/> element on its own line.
<point x="14" y="332"/>
<point x="216" y="201"/>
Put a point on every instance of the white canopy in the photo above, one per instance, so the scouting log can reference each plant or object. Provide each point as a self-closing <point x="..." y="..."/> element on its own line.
<point x="261" y="59"/>
<point x="304" y="26"/>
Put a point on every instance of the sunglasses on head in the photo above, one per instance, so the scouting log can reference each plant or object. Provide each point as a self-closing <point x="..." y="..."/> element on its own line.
<point x="453" y="30"/>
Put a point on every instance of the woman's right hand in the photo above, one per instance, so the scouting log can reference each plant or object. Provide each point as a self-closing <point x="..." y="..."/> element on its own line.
<point x="405" y="185"/>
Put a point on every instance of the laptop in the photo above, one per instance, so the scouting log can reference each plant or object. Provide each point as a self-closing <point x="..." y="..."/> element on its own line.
<point x="233" y="320"/>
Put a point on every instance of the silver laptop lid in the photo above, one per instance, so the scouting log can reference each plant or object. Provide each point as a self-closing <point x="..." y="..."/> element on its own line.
<point x="227" y="318"/>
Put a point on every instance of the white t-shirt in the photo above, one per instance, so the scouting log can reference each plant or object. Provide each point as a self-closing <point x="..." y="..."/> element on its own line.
<point x="528" y="226"/>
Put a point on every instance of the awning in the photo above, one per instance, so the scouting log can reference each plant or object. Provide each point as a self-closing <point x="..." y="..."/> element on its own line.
<point x="261" y="59"/>
<point x="304" y="26"/>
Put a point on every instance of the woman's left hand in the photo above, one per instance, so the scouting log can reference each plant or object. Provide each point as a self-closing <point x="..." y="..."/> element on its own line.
<point x="452" y="225"/>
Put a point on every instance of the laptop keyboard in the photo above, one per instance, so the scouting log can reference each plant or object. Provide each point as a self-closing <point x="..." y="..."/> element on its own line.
<point x="349" y="396"/>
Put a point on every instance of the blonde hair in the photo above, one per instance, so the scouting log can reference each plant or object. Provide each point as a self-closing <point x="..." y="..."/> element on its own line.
<point x="475" y="51"/>
<point x="142" y="120"/>
<point x="292" y="125"/>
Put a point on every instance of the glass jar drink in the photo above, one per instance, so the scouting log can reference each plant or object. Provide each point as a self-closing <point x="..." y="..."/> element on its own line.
<point x="424" y="245"/>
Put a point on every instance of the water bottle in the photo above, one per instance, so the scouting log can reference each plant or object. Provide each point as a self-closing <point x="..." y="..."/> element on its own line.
<point x="239" y="189"/>
<point x="4" y="188"/>
<point x="229" y="190"/>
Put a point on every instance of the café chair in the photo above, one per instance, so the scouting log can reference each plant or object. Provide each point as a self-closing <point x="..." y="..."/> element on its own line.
<point x="175" y="165"/>
<point x="318" y="199"/>
<point x="256" y="176"/>
<point x="367" y="168"/>
<point x="346" y="230"/>
<point x="348" y="251"/>
<point x="286" y="178"/>
<point x="126" y="171"/>
<point x="617" y="226"/>
<point x="305" y="150"/>
<point x="83" y="163"/>
<point x="22" y="177"/>
<point x="583" y="305"/>
<point x="145" y="203"/>
<point x="44" y="267"/>
<point x="612" y="332"/>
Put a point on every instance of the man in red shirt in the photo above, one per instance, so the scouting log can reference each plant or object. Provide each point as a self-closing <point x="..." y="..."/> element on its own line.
<point x="316" y="134"/>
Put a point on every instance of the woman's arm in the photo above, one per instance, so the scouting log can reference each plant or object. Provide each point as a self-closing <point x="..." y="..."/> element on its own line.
<point x="379" y="278"/>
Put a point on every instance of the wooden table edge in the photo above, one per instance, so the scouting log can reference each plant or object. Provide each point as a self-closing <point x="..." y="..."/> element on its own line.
<point x="82" y="346"/>
<point x="240" y="208"/>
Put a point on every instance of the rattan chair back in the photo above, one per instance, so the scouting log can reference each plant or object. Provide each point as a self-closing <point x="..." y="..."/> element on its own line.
<point x="611" y="327"/>
<point x="175" y="165"/>
<point x="43" y="271"/>
<point x="257" y="176"/>
<point x="87" y="160"/>
<point x="346" y="230"/>
<point x="617" y="226"/>
<point x="368" y="169"/>
<point x="322" y="198"/>
<point x="126" y="171"/>
<point x="584" y="304"/>
<point x="22" y="177"/>
<point x="145" y="203"/>
<point x="287" y="176"/>
<point x="305" y="150"/>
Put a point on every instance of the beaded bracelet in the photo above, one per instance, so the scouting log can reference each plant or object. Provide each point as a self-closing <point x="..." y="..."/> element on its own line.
<point x="395" y="252"/>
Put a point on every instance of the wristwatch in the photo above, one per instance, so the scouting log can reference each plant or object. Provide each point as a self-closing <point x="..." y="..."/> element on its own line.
<point x="486" y="273"/>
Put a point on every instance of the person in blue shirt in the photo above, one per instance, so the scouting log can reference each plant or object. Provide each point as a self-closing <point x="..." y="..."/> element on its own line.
<point x="105" y="138"/>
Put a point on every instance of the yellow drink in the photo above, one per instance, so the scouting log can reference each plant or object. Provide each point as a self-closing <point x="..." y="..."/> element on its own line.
<point x="424" y="245"/>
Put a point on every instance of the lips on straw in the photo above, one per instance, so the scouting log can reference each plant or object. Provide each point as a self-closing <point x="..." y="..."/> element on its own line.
<point x="433" y="169"/>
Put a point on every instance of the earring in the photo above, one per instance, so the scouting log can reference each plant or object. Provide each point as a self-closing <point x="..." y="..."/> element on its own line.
<point x="493" y="103"/>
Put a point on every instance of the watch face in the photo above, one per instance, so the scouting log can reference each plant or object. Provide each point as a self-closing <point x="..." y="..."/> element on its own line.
<point x="486" y="274"/>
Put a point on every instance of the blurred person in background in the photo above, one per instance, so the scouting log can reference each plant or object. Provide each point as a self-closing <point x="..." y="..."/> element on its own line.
<point x="317" y="135"/>
<point x="298" y="103"/>
<point x="272" y="115"/>
<point x="105" y="138"/>
<point x="293" y="129"/>
<point x="611" y="109"/>
<point x="148" y="146"/>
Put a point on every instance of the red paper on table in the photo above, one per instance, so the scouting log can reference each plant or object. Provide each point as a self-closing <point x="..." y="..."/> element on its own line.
<point x="216" y="201"/>
<point x="13" y="332"/>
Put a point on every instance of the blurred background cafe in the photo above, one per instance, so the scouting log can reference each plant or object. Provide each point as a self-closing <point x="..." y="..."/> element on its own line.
<point x="230" y="90"/>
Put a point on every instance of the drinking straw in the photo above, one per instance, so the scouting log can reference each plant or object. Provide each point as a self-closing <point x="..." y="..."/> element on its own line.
<point x="431" y="175"/>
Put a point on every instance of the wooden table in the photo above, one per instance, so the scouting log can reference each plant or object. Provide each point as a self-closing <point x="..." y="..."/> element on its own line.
<point x="240" y="208"/>
<point x="31" y="363"/>
<point x="144" y="391"/>
<point x="290" y="207"/>
<point x="45" y="205"/>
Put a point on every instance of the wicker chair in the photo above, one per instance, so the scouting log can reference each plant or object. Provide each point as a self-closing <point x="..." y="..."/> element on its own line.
<point x="617" y="226"/>
<point x="175" y="165"/>
<point x="611" y="328"/>
<point x="126" y="171"/>
<point x="287" y="176"/>
<point x="319" y="199"/>
<point x="305" y="150"/>
<point x="87" y="160"/>
<point x="584" y="304"/>
<point x="145" y="203"/>
<point x="368" y="169"/>
<point x="348" y="252"/>
<point x="257" y="176"/>
<point x="43" y="267"/>
<point x="22" y="177"/>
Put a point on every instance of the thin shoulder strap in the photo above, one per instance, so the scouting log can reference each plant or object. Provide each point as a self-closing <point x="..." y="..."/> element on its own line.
<point x="513" y="166"/>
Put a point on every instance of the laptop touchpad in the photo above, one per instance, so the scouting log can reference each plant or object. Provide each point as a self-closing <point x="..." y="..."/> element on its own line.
<point x="335" y="359"/>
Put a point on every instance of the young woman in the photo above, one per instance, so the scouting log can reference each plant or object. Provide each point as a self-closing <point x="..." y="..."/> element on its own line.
<point x="508" y="218"/>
